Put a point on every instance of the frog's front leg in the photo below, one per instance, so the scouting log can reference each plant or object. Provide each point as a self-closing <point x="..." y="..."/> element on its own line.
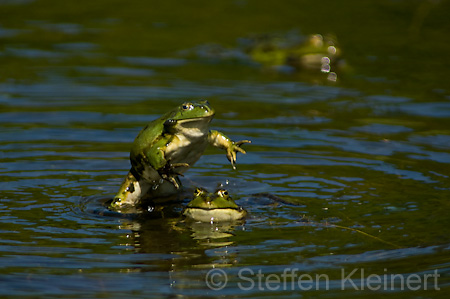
<point x="164" y="167"/>
<point x="168" y="173"/>
<point x="220" y="140"/>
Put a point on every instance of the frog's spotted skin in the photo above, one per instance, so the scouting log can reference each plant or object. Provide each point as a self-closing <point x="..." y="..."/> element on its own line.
<point x="213" y="207"/>
<point x="166" y="148"/>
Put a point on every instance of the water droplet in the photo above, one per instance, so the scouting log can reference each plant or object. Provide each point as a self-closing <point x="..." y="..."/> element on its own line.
<point x="150" y="209"/>
<point x="326" y="68"/>
<point x="325" y="60"/>
<point x="154" y="187"/>
<point x="332" y="76"/>
<point x="332" y="50"/>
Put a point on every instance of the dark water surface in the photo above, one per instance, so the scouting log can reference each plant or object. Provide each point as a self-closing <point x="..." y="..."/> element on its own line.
<point x="361" y="165"/>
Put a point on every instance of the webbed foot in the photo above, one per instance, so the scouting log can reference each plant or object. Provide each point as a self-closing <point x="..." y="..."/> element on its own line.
<point x="169" y="173"/>
<point x="232" y="150"/>
<point x="220" y="140"/>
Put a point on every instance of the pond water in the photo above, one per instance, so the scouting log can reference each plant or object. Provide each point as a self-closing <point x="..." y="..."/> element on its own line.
<point x="351" y="176"/>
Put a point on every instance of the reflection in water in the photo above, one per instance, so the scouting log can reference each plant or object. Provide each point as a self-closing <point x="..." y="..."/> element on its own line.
<point x="212" y="233"/>
<point x="162" y="242"/>
<point x="187" y="243"/>
<point x="167" y="232"/>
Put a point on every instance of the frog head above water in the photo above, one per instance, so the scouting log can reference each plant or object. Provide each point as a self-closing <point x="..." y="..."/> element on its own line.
<point x="213" y="207"/>
<point x="189" y="119"/>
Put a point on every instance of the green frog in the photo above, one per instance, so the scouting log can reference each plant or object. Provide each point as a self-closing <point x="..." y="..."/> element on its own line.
<point x="213" y="207"/>
<point x="315" y="53"/>
<point x="166" y="148"/>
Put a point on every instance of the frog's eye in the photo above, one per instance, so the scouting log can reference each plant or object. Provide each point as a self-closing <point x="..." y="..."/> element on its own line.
<point x="200" y="191"/>
<point x="187" y="106"/>
<point x="222" y="193"/>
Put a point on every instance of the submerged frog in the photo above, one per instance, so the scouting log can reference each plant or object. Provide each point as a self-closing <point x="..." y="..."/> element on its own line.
<point x="166" y="148"/>
<point x="315" y="53"/>
<point x="287" y="53"/>
<point x="213" y="207"/>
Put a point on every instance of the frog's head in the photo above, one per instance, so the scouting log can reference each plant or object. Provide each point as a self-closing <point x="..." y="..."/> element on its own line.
<point x="190" y="116"/>
<point x="128" y="194"/>
<point x="213" y="207"/>
<point x="209" y="201"/>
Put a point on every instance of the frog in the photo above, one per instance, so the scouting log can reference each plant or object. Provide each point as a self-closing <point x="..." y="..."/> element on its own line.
<point x="213" y="207"/>
<point x="166" y="148"/>
<point x="315" y="53"/>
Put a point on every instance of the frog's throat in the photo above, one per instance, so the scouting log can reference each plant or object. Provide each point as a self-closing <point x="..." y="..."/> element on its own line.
<point x="215" y="215"/>
<point x="237" y="209"/>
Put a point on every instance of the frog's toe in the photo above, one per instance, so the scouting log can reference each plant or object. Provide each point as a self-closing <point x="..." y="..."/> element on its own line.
<point x="232" y="159"/>
<point x="175" y="165"/>
<point x="232" y="151"/>
<point x="238" y="143"/>
<point x="172" y="179"/>
<point x="238" y="149"/>
<point x="174" y="182"/>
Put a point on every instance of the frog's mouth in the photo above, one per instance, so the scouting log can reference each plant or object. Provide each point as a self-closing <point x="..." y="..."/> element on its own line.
<point x="189" y="122"/>
<point x="189" y="126"/>
<point x="195" y="119"/>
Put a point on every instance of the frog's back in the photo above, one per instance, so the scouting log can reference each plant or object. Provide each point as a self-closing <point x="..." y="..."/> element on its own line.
<point x="147" y="137"/>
